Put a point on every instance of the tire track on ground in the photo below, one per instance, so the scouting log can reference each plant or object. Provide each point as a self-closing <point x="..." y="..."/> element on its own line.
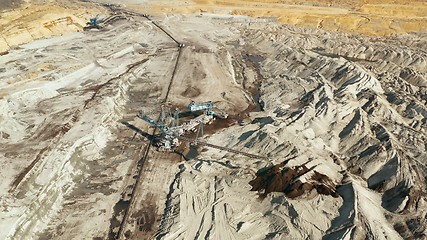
<point x="144" y="156"/>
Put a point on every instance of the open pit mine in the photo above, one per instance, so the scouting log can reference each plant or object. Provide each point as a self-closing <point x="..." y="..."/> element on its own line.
<point x="213" y="120"/>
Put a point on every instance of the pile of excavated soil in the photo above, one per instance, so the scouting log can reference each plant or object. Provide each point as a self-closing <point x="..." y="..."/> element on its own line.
<point x="293" y="181"/>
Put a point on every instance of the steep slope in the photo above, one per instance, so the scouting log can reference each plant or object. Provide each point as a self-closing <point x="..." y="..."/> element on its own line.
<point x="350" y="108"/>
<point x="330" y="111"/>
<point x="364" y="103"/>
<point x="35" y="19"/>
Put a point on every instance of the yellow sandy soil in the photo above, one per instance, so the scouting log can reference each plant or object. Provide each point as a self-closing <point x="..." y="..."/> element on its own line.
<point x="35" y="21"/>
<point x="370" y="17"/>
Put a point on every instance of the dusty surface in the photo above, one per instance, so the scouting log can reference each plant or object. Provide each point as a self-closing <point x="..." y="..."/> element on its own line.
<point x="75" y="162"/>
<point x="371" y="17"/>
<point x="9" y="4"/>
<point x="36" y="19"/>
<point x="39" y="19"/>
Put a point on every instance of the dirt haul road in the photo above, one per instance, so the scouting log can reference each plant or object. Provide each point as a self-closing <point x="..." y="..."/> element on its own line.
<point x="352" y="108"/>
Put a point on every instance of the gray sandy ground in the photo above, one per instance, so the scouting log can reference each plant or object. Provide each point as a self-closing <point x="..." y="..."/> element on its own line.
<point x="8" y="4"/>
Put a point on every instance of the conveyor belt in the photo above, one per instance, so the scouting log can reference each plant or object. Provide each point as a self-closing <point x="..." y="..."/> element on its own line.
<point x="203" y="143"/>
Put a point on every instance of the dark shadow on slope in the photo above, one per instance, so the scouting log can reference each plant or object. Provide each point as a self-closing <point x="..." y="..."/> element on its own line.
<point x="137" y="130"/>
<point x="394" y="197"/>
<point x="263" y="121"/>
<point x="350" y="125"/>
<point x="246" y="135"/>
<point x="388" y="171"/>
<point x="345" y="220"/>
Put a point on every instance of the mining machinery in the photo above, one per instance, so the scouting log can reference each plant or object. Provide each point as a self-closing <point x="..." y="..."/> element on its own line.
<point x="93" y="23"/>
<point x="207" y="107"/>
<point x="171" y="132"/>
<point x="99" y="23"/>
